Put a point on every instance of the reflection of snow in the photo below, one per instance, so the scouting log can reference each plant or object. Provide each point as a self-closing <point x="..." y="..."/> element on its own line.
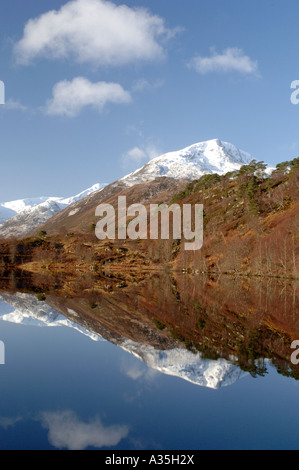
<point x="186" y="365"/>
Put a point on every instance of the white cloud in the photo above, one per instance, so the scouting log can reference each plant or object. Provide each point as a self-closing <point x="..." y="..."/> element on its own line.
<point x="14" y="105"/>
<point x="96" y="32"/>
<point x="66" y="431"/>
<point x="70" y="97"/>
<point x="230" y="60"/>
<point x="135" y="155"/>
<point x="138" y="156"/>
<point x="143" y="85"/>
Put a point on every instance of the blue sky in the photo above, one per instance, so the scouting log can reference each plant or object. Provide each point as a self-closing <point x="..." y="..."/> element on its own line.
<point x="94" y="89"/>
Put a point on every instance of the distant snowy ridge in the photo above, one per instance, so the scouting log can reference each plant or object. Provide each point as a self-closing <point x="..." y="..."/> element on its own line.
<point x="12" y="208"/>
<point x="21" y="216"/>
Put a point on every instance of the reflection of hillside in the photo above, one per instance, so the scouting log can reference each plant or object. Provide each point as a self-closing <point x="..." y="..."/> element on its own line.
<point x="248" y="319"/>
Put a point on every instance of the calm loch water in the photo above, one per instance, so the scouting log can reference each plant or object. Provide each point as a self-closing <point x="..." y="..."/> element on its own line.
<point x="144" y="369"/>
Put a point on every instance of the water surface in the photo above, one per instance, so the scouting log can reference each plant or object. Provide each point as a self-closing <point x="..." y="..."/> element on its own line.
<point x="203" y="364"/>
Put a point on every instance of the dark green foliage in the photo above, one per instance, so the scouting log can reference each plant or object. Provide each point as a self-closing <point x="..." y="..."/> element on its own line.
<point x="42" y="234"/>
<point x="207" y="181"/>
<point x="181" y="195"/>
<point x="160" y="326"/>
<point x="92" y="305"/>
<point x="201" y="324"/>
<point x="41" y="297"/>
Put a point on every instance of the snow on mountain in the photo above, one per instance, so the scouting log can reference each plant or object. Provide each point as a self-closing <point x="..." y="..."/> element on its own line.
<point x="186" y="365"/>
<point x="213" y="156"/>
<point x="26" y="309"/>
<point x="19" y="217"/>
<point x="5" y="214"/>
<point x="71" y="200"/>
<point x="12" y="208"/>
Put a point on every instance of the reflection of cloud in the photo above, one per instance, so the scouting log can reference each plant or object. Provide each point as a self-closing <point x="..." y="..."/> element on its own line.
<point x="66" y="431"/>
<point x="138" y="370"/>
<point x="134" y="372"/>
<point x="6" y="422"/>
<point x="144" y="377"/>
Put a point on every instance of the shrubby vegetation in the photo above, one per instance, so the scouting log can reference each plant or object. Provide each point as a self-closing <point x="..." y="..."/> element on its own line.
<point x="251" y="221"/>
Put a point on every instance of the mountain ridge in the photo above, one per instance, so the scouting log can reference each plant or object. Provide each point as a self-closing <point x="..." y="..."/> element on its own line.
<point x="190" y="163"/>
<point x="19" y="216"/>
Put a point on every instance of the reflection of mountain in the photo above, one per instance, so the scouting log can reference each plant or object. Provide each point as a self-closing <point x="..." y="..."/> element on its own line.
<point x="27" y="310"/>
<point x="186" y="365"/>
<point x="183" y="325"/>
<point x="179" y="362"/>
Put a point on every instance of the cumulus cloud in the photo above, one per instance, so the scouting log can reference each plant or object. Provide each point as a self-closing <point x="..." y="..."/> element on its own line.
<point x="70" y="97"/>
<point x="96" y="32"/>
<point x="145" y="85"/>
<point x="137" y="156"/>
<point x="14" y="105"/>
<point x="230" y="60"/>
<point x="66" y="431"/>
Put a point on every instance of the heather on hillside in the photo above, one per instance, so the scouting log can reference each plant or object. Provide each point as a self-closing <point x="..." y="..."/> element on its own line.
<point x="251" y="221"/>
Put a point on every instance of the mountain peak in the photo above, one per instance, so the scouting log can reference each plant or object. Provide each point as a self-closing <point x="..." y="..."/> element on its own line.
<point x="192" y="162"/>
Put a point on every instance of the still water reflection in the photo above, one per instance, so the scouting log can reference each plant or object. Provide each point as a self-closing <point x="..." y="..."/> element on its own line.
<point x="169" y="362"/>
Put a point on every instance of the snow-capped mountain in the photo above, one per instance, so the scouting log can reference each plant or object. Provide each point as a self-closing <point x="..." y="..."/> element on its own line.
<point x="19" y="217"/>
<point x="25" y="309"/>
<point x="213" y="156"/>
<point x="12" y="208"/>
